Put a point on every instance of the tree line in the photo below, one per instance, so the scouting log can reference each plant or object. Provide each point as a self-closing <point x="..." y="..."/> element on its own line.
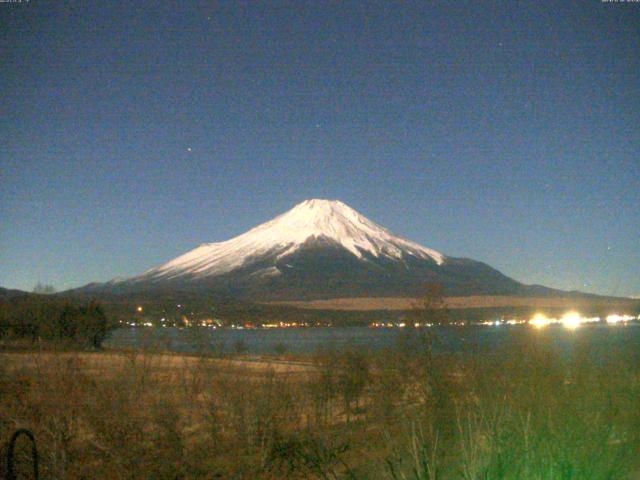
<point x="80" y="324"/>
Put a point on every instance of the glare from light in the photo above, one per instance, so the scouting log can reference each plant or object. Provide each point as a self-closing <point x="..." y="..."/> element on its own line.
<point x="571" y="320"/>
<point x="615" y="318"/>
<point x="539" y="320"/>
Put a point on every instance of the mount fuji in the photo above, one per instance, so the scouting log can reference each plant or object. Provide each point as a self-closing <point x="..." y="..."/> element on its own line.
<point x="319" y="249"/>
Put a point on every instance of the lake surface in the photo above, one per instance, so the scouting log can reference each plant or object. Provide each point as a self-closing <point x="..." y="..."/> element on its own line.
<point x="307" y="340"/>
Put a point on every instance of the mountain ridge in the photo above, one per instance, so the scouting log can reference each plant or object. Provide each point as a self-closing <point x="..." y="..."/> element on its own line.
<point x="319" y="249"/>
<point x="287" y="233"/>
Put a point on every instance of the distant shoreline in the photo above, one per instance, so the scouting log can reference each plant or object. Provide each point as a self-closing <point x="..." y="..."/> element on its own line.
<point x="476" y="301"/>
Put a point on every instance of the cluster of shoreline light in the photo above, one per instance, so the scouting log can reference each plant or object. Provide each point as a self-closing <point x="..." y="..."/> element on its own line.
<point x="416" y="325"/>
<point x="497" y="323"/>
<point x="570" y="320"/>
<point x="621" y="318"/>
<point x="294" y="324"/>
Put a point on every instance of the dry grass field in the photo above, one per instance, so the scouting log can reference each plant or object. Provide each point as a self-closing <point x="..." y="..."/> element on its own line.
<point x="397" y="303"/>
<point x="169" y="363"/>
<point x="527" y="411"/>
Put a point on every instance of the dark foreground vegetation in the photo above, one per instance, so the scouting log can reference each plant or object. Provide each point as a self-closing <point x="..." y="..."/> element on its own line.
<point x="528" y="411"/>
<point x="34" y="319"/>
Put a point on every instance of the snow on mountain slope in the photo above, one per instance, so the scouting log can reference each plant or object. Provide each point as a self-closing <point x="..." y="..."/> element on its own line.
<point x="285" y="234"/>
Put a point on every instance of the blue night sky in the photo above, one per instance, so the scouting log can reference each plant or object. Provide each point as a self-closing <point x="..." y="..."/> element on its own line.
<point x="507" y="132"/>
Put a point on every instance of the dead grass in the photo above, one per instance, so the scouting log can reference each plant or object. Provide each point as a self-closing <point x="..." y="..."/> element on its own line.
<point x="397" y="303"/>
<point x="528" y="411"/>
<point x="167" y="361"/>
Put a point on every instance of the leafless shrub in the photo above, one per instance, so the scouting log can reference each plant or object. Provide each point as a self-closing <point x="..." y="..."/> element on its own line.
<point x="527" y="411"/>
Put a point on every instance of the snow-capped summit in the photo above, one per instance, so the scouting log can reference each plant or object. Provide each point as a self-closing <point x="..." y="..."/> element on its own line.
<point x="318" y="249"/>
<point x="330" y="221"/>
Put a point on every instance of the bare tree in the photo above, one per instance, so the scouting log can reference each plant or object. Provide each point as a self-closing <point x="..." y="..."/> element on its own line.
<point x="431" y="307"/>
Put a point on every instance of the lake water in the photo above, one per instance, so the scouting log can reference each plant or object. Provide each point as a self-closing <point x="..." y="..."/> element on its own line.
<point x="308" y="340"/>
